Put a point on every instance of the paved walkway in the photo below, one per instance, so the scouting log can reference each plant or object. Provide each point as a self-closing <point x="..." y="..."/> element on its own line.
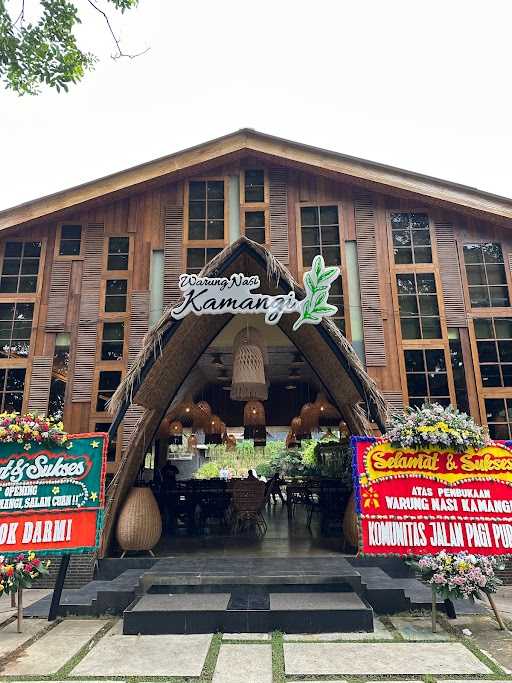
<point x="402" y="646"/>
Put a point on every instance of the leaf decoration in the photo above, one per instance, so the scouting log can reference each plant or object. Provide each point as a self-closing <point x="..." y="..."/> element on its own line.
<point x="317" y="283"/>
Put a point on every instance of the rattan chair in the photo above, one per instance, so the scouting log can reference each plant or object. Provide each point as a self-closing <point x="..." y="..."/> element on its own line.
<point x="248" y="503"/>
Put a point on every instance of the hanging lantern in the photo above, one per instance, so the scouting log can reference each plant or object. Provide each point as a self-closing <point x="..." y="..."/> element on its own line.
<point x="259" y="436"/>
<point x="328" y="416"/>
<point x="251" y="336"/>
<point x="344" y="431"/>
<point x="248" y="375"/>
<point x="296" y="425"/>
<point x="186" y="412"/>
<point x="163" y="430"/>
<point x="291" y="440"/>
<point x="231" y="442"/>
<point x="213" y="430"/>
<point x="192" y="443"/>
<point x="254" y="416"/>
<point x="175" y="432"/>
<point x="309" y="417"/>
<point x="201" y="414"/>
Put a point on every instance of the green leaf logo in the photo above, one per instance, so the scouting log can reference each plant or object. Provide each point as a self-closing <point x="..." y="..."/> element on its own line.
<point x="317" y="283"/>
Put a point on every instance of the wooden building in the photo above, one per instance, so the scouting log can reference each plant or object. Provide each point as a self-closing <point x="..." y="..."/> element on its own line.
<point x="424" y="298"/>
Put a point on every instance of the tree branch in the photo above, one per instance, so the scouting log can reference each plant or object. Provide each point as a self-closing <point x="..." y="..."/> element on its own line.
<point x="120" y="52"/>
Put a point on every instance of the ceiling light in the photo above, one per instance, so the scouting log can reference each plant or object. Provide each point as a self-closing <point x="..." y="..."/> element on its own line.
<point x="290" y="387"/>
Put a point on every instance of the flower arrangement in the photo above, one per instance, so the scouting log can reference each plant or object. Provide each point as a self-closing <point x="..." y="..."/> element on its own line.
<point x="434" y="425"/>
<point x="459" y="575"/>
<point x="20" y="571"/>
<point x="22" y="429"/>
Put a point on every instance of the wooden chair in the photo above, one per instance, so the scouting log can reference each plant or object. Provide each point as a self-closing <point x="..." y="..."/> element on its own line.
<point x="248" y="503"/>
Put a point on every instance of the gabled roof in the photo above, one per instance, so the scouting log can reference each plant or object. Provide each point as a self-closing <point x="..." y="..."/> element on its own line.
<point x="163" y="170"/>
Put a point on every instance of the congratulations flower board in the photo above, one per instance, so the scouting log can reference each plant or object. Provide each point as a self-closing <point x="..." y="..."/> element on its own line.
<point x="52" y="496"/>
<point x="420" y="501"/>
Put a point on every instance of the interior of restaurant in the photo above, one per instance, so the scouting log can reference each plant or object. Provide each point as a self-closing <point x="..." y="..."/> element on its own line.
<point x="252" y="456"/>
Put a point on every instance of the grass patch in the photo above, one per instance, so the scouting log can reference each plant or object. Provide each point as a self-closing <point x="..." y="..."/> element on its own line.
<point x="278" y="673"/>
<point x="211" y="659"/>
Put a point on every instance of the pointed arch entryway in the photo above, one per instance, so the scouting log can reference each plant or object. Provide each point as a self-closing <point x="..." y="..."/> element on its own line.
<point x="173" y="347"/>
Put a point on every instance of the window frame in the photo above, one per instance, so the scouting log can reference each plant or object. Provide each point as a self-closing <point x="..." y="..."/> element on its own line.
<point x="187" y="242"/>
<point x="25" y="296"/>
<point x="437" y="282"/>
<point x="117" y="274"/>
<point x="489" y="311"/>
<point x="430" y="347"/>
<point x="433" y="246"/>
<point x="255" y="206"/>
<point x="35" y="313"/>
<point x="343" y="265"/>
<point x="109" y="321"/>
<point x="112" y="366"/>
<point x="112" y="465"/>
<point x="58" y="237"/>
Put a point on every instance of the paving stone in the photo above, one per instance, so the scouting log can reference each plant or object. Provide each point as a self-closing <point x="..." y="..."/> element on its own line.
<point x="247" y="663"/>
<point x="246" y="636"/>
<point x="49" y="654"/>
<point x="488" y="637"/>
<point x="354" y="659"/>
<point x="419" y="628"/>
<point x="380" y="632"/>
<point x="10" y="640"/>
<point x="162" y="655"/>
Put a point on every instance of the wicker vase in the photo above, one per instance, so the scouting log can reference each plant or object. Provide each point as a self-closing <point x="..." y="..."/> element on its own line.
<point x="139" y="526"/>
<point x="350" y="527"/>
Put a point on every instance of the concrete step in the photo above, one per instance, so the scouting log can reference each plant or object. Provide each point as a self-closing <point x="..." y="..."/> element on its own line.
<point x="248" y="611"/>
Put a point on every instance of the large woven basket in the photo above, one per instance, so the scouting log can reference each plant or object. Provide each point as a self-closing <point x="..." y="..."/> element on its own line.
<point x="139" y="526"/>
<point x="350" y="527"/>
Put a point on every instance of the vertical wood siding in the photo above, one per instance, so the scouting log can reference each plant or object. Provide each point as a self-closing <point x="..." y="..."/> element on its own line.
<point x="278" y="205"/>
<point x="173" y="241"/>
<point x="39" y="392"/>
<point x="89" y="312"/>
<point x="58" y="296"/>
<point x="449" y="270"/>
<point x="366" y="236"/>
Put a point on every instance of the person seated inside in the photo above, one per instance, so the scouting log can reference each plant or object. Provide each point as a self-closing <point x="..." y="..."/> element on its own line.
<point x="252" y="476"/>
<point x="169" y="472"/>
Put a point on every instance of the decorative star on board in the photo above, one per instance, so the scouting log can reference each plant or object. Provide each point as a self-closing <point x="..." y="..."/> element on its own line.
<point x="70" y="445"/>
<point x="93" y="495"/>
<point x="27" y="446"/>
<point x="95" y="444"/>
<point x="55" y="490"/>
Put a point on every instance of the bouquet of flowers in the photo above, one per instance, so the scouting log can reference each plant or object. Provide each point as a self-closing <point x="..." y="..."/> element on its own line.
<point x="22" y="429"/>
<point x="433" y="425"/>
<point x="459" y="575"/>
<point x="20" y="571"/>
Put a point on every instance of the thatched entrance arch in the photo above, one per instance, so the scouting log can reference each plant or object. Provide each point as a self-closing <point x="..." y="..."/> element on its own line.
<point x="173" y="347"/>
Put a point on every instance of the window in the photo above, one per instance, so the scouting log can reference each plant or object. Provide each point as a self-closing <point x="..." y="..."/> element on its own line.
<point x="115" y="296"/>
<point x="108" y="382"/>
<point x="12" y="384"/>
<point x="411" y="238"/>
<point x="20" y="267"/>
<point x="485" y="270"/>
<point x="59" y="380"/>
<point x="15" y="329"/>
<point x="255" y="226"/>
<point x="427" y="378"/>
<point x="113" y="341"/>
<point x="417" y="300"/>
<point x="494" y="344"/>
<point x="320" y="233"/>
<point x="197" y="258"/>
<point x="206" y="210"/>
<point x="118" y="252"/>
<point x="458" y="372"/>
<point x="112" y="443"/>
<point x="70" y="240"/>
<point x="254" y="186"/>
<point x="499" y="417"/>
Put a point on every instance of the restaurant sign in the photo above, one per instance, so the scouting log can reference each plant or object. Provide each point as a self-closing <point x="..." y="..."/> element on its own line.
<point x="52" y="498"/>
<point x="417" y="502"/>
<point x="234" y="294"/>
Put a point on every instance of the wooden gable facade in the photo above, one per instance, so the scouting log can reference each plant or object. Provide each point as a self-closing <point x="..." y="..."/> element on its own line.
<point x="425" y="293"/>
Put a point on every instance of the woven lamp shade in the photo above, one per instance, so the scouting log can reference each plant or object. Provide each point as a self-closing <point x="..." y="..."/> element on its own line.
<point x="309" y="417"/>
<point x="296" y="425"/>
<point x="344" y="430"/>
<point x="231" y="443"/>
<point x="291" y="440"/>
<point x="254" y="414"/>
<point x="328" y="416"/>
<point x="213" y="430"/>
<point x="249" y="381"/>
<point x="192" y="442"/>
<point x="187" y="411"/>
<point x="202" y="413"/>
<point x="139" y="525"/>
<point x="250" y="336"/>
<point x="176" y="432"/>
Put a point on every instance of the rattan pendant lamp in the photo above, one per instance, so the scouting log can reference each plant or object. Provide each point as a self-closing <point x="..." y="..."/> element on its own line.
<point x="328" y="416"/>
<point x="213" y="430"/>
<point x="254" y="419"/>
<point x="249" y="382"/>
<point x="176" y="432"/>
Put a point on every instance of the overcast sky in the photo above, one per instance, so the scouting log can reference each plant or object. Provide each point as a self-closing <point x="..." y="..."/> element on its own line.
<point x="420" y="85"/>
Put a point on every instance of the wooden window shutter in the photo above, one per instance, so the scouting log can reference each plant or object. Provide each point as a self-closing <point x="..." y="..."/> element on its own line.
<point x="173" y="242"/>
<point x="278" y="205"/>
<point x="371" y="309"/>
<point x="139" y="325"/>
<point x="89" y="314"/>
<point x="394" y="400"/>
<point x="449" y="270"/>
<point x="40" y="379"/>
<point x="58" y="296"/>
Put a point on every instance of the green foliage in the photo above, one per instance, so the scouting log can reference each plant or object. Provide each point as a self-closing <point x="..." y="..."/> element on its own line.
<point x="210" y="470"/>
<point x="45" y="51"/>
